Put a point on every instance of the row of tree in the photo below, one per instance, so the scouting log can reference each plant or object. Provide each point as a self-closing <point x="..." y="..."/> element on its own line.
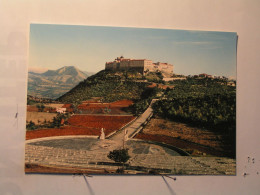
<point x="56" y="122"/>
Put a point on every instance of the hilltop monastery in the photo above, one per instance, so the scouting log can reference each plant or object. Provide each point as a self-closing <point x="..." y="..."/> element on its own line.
<point x="141" y="65"/>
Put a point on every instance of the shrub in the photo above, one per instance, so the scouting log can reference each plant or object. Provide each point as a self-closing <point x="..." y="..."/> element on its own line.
<point x="31" y="126"/>
<point x="119" y="156"/>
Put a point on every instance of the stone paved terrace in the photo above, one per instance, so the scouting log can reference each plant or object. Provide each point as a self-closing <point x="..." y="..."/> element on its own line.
<point x="91" y="154"/>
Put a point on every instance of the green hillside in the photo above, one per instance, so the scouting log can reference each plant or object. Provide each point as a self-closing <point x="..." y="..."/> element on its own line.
<point x="111" y="86"/>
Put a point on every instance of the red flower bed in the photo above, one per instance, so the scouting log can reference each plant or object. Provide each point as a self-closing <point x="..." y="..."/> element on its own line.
<point x="67" y="106"/>
<point x="83" y="125"/>
<point x="122" y="103"/>
<point x="107" y="122"/>
<point x="117" y="104"/>
<point x="89" y="125"/>
<point x="63" y="131"/>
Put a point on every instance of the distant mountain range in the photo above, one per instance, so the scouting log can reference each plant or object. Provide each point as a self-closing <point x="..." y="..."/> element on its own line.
<point x="54" y="83"/>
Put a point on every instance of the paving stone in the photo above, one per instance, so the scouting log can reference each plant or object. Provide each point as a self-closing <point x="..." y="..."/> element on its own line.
<point x="46" y="154"/>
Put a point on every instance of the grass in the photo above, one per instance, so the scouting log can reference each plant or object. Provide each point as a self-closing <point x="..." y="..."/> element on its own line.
<point x="40" y="117"/>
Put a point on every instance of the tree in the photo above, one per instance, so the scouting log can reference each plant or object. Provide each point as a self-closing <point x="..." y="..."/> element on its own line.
<point x="31" y="126"/>
<point x="40" y="107"/>
<point x="139" y="107"/>
<point x="120" y="156"/>
<point x="159" y="74"/>
<point x="149" y="93"/>
<point x="56" y="122"/>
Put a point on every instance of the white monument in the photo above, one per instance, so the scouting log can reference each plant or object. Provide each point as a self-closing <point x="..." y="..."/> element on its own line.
<point x="102" y="135"/>
<point x="126" y="135"/>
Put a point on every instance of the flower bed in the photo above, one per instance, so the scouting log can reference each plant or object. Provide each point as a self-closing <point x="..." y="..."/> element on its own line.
<point x="102" y="121"/>
<point x="63" y="131"/>
<point x="117" y="104"/>
<point x="83" y="125"/>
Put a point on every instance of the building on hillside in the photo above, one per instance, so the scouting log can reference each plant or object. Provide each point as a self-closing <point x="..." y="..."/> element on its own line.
<point x="204" y="75"/>
<point x="140" y="65"/>
<point x="61" y="110"/>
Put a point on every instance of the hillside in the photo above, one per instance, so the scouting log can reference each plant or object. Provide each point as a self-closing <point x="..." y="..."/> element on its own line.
<point x="203" y="103"/>
<point x="110" y="86"/>
<point x="54" y="83"/>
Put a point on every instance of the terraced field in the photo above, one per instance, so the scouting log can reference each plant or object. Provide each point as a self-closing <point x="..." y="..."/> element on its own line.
<point x="83" y="125"/>
<point x="100" y="121"/>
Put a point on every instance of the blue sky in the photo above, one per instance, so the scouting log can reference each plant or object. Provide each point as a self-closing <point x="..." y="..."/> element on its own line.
<point x="89" y="47"/>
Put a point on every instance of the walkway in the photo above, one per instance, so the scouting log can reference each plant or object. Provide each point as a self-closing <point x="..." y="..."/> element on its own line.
<point x="133" y="128"/>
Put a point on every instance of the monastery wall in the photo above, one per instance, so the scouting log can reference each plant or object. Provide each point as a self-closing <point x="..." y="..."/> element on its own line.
<point x="141" y="65"/>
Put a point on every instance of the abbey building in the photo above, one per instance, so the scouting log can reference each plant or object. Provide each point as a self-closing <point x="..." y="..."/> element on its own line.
<point x="141" y="65"/>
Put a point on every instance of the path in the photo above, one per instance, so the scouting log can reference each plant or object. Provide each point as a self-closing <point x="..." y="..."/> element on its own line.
<point x="133" y="128"/>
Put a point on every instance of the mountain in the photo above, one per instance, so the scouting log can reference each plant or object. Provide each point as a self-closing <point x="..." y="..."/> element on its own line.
<point x="66" y="74"/>
<point x="54" y="83"/>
